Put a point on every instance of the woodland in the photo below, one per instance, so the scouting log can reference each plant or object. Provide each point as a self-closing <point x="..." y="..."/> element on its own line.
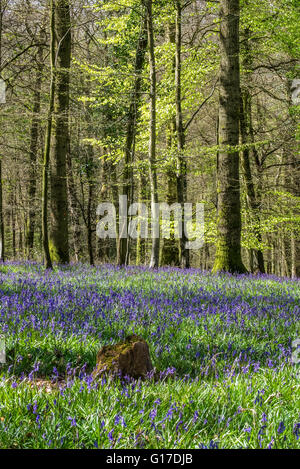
<point x="167" y="100"/>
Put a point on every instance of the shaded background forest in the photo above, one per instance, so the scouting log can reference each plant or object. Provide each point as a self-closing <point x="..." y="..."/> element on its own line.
<point x="105" y="37"/>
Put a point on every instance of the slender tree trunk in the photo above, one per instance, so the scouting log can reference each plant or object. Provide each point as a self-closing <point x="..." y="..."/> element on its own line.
<point x="269" y="255"/>
<point x="207" y="256"/>
<point x="181" y="162"/>
<point x="295" y="188"/>
<point x="114" y="190"/>
<point x="13" y="224"/>
<point x="74" y="210"/>
<point x="141" y="242"/>
<point x="247" y="137"/>
<point x="2" y="236"/>
<point x="253" y="204"/>
<point x="170" y="251"/>
<point x="273" y="257"/>
<point x="154" y="261"/>
<point x="107" y="248"/>
<point x="293" y="254"/>
<point x="123" y="244"/>
<point x="90" y="172"/>
<point x="283" y="261"/>
<point x="59" y="243"/>
<point x="170" y="254"/>
<point x="103" y="245"/>
<point x="228" y="250"/>
<point x="48" y="262"/>
<point x="89" y="225"/>
<point x="34" y="136"/>
<point x="2" y="232"/>
<point x="21" y="252"/>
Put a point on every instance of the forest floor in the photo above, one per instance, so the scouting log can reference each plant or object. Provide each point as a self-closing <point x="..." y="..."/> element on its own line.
<point x="222" y="345"/>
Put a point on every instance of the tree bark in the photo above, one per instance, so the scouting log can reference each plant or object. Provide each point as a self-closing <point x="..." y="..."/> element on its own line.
<point x="247" y="137"/>
<point x="46" y="159"/>
<point x="90" y="206"/>
<point x="170" y="253"/>
<point x="228" y="249"/>
<point x="59" y="243"/>
<point x="34" y="137"/>
<point x="181" y="162"/>
<point x="74" y="210"/>
<point x="2" y="232"/>
<point x="141" y="242"/>
<point x="123" y="243"/>
<point x="13" y="224"/>
<point x="154" y="261"/>
<point x="254" y="206"/>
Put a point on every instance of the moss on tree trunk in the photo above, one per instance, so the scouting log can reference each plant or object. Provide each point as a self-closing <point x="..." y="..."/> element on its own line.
<point x="228" y="251"/>
<point x="59" y="243"/>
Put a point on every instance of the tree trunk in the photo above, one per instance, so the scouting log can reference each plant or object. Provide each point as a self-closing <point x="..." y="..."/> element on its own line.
<point x="48" y="262"/>
<point x="254" y="207"/>
<point x="114" y="191"/>
<point x="2" y="235"/>
<point x="34" y="136"/>
<point x="247" y="137"/>
<point x="141" y="242"/>
<point x="74" y="210"/>
<point x="123" y="242"/>
<point x="21" y="253"/>
<point x="89" y="224"/>
<point x="59" y="243"/>
<point x="170" y="253"/>
<point x="181" y="162"/>
<point x="154" y="261"/>
<point x="13" y="224"/>
<point x="228" y="249"/>
<point x="293" y="255"/>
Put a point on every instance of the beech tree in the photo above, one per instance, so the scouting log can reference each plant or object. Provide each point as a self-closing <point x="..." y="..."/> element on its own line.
<point x="2" y="232"/>
<point x="228" y="249"/>
<point x="59" y="240"/>
<point x="132" y="116"/>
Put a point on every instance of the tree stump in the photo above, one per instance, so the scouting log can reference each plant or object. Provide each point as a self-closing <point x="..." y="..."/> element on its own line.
<point x="129" y="358"/>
